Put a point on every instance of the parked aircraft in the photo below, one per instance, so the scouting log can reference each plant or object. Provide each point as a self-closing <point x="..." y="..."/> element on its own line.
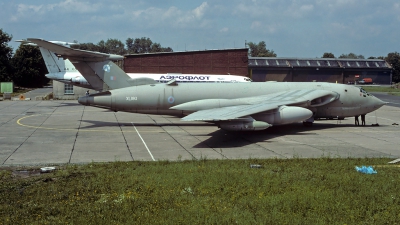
<point x="64" y="71"/>
<point x="237" y="106"/>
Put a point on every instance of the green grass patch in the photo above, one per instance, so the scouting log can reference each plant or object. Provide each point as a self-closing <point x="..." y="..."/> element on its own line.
<point x="390" y="90"/>
<point x="290" y="191"/>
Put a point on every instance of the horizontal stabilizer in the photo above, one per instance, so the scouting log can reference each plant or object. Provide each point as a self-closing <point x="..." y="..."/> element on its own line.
<point x="75" y="54"/>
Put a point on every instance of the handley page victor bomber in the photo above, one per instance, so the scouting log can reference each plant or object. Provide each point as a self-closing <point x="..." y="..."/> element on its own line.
<point x="65" y="72"/>
<point x="231" y="106"/>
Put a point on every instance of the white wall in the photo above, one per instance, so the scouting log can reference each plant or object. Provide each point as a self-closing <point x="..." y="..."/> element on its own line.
<point x="59" y="91"/>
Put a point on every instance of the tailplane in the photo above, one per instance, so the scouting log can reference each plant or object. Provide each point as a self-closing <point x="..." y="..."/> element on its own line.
<point x="54" y="64"/>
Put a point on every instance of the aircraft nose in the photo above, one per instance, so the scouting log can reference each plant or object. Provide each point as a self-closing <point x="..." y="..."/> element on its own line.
<point x="377" y="103"/>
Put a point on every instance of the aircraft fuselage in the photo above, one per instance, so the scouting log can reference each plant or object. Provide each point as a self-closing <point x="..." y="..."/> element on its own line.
<point x="159" y="98"/>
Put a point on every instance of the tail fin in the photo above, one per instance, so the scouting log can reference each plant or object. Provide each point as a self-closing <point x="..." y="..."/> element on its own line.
<point x="104" y="75"/>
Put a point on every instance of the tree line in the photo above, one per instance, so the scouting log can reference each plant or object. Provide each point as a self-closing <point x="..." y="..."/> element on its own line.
<point x="131" y="46"/>
<point x="26" y="67"/>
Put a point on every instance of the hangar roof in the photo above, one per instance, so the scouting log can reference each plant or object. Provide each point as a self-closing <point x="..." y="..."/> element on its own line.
<point x="186" y="52"/>
<point x="318" y="62"/>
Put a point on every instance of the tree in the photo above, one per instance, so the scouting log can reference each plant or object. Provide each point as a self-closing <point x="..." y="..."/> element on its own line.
<point x="101" y="47"/>
<point x="260" y="50"/>
<point x="393" y="59"/>
<point x="139" y="45"/>
<point x="379" y="57"/>
<point x="30" y="68"/>
<point x="144" y="45"/>
<point x="156" y="47"/>
<point x="129" y="45"/>
<point x="328" y="55"/>
<point x="115" y="46"/>
<point x="351" y="56"/>
<point x="86" y="46"/>
<point x="166" y="49"/>
<point x="6" y="68"/>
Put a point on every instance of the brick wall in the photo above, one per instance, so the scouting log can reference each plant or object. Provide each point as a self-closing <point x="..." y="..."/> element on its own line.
<point x="230" y="61"/>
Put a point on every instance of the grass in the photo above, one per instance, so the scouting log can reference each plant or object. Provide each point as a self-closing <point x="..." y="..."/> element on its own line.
<point x="291" y="191"/>
<point x="390" y="90"/>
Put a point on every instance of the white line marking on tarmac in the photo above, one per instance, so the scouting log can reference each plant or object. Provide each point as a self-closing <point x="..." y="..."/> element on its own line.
<point x="381" y="118"/>
<point x="143" y="142"/>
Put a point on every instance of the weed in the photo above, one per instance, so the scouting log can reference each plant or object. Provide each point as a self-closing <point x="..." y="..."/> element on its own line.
<point x="282" y="191"/>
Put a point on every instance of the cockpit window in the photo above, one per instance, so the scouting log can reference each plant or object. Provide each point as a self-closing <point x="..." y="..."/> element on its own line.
<point x="365" y="93"/>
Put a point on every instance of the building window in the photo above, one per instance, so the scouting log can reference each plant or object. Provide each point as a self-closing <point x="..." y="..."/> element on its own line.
<point x="68" y="89"/>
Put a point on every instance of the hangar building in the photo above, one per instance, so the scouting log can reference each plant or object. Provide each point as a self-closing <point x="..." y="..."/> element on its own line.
<point x="237" y="62"/>
<point x="319" y="69"/>
<point x="230" y="61"/>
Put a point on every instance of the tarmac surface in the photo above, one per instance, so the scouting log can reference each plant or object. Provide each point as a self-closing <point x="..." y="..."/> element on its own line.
<point x="39" y="92"/>
<point x="59" y="132"/>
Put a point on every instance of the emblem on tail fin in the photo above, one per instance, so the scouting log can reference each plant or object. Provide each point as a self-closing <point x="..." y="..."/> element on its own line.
<point x="107" y="68"/>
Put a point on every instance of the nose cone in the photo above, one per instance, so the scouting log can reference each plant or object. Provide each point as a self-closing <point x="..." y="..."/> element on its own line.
<point x="377" y="103"/>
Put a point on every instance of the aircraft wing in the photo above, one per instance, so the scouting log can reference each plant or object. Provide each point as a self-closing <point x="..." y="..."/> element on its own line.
<point x="229" y="113"/>
<point x="238" y="109"/>
<point x="74" y="54"/>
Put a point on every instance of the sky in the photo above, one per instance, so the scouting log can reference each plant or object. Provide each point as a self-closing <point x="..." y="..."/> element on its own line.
<point x="291" y="28"/>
